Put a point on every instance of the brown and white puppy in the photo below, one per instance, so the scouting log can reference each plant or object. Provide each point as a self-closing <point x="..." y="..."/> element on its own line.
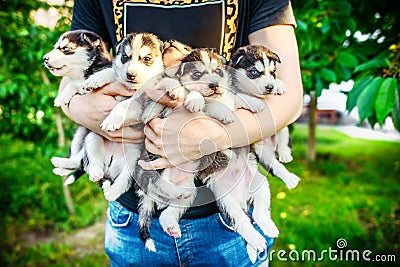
<point x="254" y="75"/>
<point x="138" y="58"/>
<point x="77" y="55"/>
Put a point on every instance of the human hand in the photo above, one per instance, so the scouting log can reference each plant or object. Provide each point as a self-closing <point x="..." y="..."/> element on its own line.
<point x="91" y="109"/>
<point x="183" y="137"/>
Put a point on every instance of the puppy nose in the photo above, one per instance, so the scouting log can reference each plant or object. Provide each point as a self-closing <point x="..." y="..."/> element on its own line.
<point x="269" y="87"/>
<point x="130" y="76"/>
<point x="45" y="58"/>
<point x="213" y="86"/>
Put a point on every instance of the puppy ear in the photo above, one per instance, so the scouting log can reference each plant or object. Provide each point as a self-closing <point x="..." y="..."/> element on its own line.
<point x="118" y="46"/>
<point x="237" y="57"/>
<point x="273" y="56"/>
<point x="161" y="45"/>
<point x="179" y="72"/>
<point x="91" y="39"/>
<point x="223" y="60"/>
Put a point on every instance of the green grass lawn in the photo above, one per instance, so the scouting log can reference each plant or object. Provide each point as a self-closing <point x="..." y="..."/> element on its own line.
<point x="351" y="193"/>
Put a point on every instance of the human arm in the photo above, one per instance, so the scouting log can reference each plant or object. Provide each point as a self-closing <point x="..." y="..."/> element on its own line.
<point x="196" y="135"/>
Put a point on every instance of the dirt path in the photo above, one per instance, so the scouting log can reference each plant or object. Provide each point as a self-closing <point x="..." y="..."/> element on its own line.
<point x="84" y="241"/>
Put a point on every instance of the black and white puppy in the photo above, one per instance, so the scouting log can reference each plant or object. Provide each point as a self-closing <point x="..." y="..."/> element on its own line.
<point x="254" y="75"/>
<point x="77" y="55"/>
<point x="154" y="188"/>
<point x="138" y="58"/>
<point x="232" y="174"/>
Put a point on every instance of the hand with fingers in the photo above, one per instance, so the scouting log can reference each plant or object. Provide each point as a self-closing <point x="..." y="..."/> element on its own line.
<point x="91" y="109"/>
<point x="181" y="137"/>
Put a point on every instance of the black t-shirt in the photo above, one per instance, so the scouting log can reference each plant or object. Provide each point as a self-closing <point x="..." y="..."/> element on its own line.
<point x="221" y="24"/>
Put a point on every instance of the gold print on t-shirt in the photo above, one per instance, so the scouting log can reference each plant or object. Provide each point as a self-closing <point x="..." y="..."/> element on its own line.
<point x="231" y="17"/>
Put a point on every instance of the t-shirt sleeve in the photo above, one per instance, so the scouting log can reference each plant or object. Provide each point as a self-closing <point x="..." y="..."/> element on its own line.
<point x="87" y="15"/>
<point x="266" y="13"/>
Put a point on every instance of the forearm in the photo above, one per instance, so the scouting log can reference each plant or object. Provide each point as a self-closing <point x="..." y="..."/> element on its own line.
<point x="281" y="109"/>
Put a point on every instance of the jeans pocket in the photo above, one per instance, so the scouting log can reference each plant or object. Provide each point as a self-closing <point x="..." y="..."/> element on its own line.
<point x="118" y="215"/>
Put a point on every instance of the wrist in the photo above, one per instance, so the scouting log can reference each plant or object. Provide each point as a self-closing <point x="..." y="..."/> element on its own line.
<point x="216" y="139"/>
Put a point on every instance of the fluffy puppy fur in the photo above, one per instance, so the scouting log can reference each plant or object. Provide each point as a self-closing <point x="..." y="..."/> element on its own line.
<point x="138" y="58"/>
<point x="206" y="80"/>
<point x="254" y="76"/>
<point x="77" y="55"/>
<point x="153" y="188"/>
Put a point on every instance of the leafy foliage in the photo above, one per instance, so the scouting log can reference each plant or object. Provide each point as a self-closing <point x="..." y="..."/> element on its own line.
<point x="26" y="100"/>
<point x="376" y="89"/>
<point x="331" y="52"/>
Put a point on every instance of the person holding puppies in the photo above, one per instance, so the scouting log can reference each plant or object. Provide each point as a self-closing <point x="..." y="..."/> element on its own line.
<point x="225" y="25"/>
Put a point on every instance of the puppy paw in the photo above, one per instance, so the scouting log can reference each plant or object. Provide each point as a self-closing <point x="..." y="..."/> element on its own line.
<point x="257" y="106"/>
<point x="272" y="230"/>
<point x="59" y="101"/>
<point x="95" y="174"/>
<point x="65" y="163"/>
<point x="257" y="241"/>
<point x="90" y="84"/>
<point x="285" y="155"/>
<point x="170" y="226"/>
<point x="177" y="93"/>
<point x="225" y="118"/>
<point x="291" y="180"/>
<point x="195" y="105"/>
<point x="111" y="124"/>
<point x="61" y="171"/>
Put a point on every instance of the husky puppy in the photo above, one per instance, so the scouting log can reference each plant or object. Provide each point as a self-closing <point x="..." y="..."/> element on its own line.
<point x="253" y="75"/>
<point x="206" y="79"/>
<point x="152" y="187"/>
<point x="138" y="58"/>
<point x="77" y="55"/>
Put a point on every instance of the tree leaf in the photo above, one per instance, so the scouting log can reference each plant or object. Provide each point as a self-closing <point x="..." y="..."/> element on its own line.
<point x="385" y="99"/>
<point x="366" y="100"/>
<point x="328" y="75"/>
<point x="372" y="64"/>
<point x="301" y="25"/>
<point x="325" y="28"/>
<point x="355" y="92"/>
<point x="396" y="110"/>
<point x="347" y="59"/>
<point x="318" y="85"/>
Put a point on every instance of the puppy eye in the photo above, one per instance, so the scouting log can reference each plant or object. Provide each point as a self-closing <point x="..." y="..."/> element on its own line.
<point x="65" y="49"/>
<point x="196" y="75"/>
<point x="124" y="58"/>
<point x="219" y="72"/>
<point x="146" y="59"/>
<point x="254" y="74"/>
<point x="273" y="74"/>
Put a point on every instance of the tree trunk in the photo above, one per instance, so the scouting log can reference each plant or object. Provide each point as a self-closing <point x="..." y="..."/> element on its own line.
<point x="312" y="123"/>
<point x="61" y="144"/>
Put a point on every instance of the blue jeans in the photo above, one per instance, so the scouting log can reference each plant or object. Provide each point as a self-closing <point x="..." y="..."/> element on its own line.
<point x="207" y="241"/>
